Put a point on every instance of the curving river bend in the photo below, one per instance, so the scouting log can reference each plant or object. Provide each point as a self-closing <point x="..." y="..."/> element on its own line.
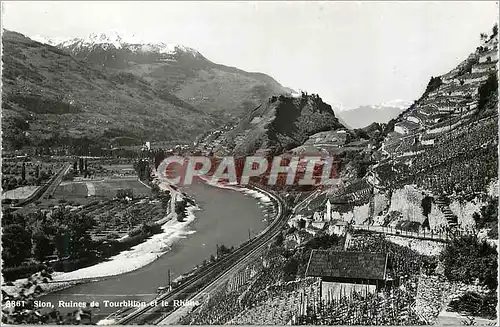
<point x="226" y="216"/>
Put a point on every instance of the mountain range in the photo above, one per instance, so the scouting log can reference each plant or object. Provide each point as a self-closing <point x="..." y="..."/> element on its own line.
<point x="177" y="69"/>
<point x="363" y="116"/>
<point x="103" y="91"/>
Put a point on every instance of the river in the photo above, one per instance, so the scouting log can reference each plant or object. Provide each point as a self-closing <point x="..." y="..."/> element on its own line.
<point x="226" y="216"/>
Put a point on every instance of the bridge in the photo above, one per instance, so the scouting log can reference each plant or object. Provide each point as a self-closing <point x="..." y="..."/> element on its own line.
<point x="46" y="190"/>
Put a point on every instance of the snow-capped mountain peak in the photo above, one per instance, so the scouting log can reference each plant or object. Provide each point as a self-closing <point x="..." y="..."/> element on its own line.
<point x="54" y="41"/>
<point x="397" y="103"/>
<point x="118" y="41"/>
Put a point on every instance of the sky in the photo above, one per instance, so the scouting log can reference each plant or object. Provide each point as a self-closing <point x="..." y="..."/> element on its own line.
<point x="350" y="53"/>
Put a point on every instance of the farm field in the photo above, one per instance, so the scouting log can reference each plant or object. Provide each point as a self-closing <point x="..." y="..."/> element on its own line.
<point x="71" y="191"/>
<point x="99" y="188"/>
<point x="119" y="169"/>
<point x="27" y="172"/>
<point x="109" y="187"/>
<point x="119" y="217"/>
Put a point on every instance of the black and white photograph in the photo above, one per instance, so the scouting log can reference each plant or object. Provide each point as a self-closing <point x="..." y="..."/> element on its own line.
<point x="249" y="163"/>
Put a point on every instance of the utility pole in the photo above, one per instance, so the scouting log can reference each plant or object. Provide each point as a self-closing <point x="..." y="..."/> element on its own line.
<point x="168" y="281"/>
<point x="249" y="237"/>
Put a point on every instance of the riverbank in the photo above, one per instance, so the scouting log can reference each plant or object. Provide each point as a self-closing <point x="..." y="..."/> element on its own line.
<point x="140" y="255"/>
<point x="126" y="261"/>
<point x="253" y="193"/>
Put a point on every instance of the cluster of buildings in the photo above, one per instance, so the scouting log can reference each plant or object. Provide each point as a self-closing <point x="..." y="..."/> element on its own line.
<point x="456" y="96"/>
<point x="330" y="221"/>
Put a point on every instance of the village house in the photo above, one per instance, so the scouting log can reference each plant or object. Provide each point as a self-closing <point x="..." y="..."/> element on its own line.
<point x="345" y="272"/>
<point x="337" y="227"/>
<point x="319" y="225"/>
<point x="432" y="94"/>
<point x="298" y="222"/>
<point x="472" y="105"/>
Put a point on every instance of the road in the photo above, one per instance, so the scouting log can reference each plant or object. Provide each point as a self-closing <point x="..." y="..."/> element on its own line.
<point x="210" y="276"/>
<point x="438" y="237"/>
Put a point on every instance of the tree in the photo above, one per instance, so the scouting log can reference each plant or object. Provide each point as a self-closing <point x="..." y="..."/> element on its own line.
<point x="180" y="209"/>
<point x="290" y="269"/>
<point x="23" y="172"/>
<point x="43" y="246"/>
<point x="143" y="169"/>
<point x="426" y="205"/>
<point x="165" y="200"/>
<point x="122" y="193"/>
<point x="223" y="250"/>
<point x="10" y="218"/>
<point x="79" y="226"/>
<point x="80" y="165"/>
<point x="155" y="189"/>
<point x="278" y="241"/>
<point x="495" y="30"/>
<point x="488" y="217"/>
<point x="466" y="259"/>
<point x="434" y="84"/>
<point x="486" y="90"/>
<point x="16" y="244"/>
<point x="71" y="233"/>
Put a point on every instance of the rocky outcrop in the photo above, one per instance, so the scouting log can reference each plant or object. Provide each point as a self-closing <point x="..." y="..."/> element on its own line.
<point x="279" y="125"/>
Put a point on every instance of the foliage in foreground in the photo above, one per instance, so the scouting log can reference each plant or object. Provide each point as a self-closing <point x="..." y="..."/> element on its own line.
<point x="467" y="259"/>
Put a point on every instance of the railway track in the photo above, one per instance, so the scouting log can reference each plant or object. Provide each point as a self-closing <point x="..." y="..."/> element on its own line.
<point x="55" y="183"/>
<point x="209" y="275"/>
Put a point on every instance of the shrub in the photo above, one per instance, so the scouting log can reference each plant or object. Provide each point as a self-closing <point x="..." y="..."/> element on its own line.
<point x="434" y="84"/>
<point x="486" y="90"/>
<point x="122" y="193"/>
<point x="23" y="271"/>
<point x="471" y="303"/>
<point x="467" y="259"/>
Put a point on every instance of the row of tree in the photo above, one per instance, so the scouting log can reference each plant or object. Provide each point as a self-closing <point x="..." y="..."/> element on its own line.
<point x="80" y="166"/>
<point x="143" y="169"/>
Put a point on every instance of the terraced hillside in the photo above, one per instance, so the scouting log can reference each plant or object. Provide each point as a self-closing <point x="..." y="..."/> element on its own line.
<point x="447" y="141"/>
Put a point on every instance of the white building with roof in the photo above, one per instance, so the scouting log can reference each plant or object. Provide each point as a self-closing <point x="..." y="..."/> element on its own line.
<point x="489" y="56"/>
